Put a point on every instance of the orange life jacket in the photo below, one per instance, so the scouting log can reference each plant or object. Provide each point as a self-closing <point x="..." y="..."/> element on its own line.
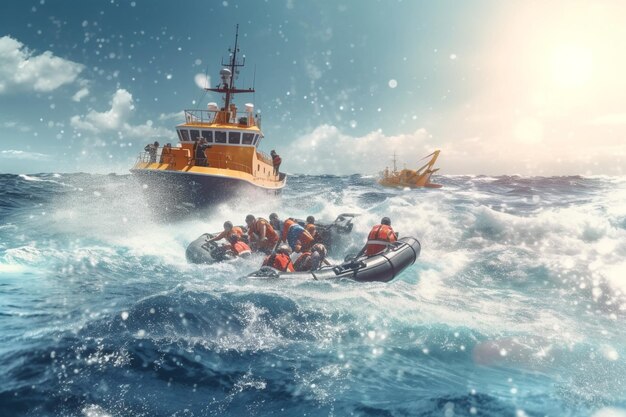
<point x="279" y="261"/>
<point x="276" y="160"/>
<point x="310" y="227"/>
<point x="379" y="238"/>
<point x="255" y="231"/>
<point x="304" y="261"/>
<point x="241" y="248"/>
<point x="226" y="234"/>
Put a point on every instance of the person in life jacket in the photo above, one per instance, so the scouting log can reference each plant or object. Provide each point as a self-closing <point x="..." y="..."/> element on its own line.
<point x="229" y="230"/>
<point x="310" y="227"/>
<point x="311" y="260"/>
<point x="380" y="237"/>
<point x="280" y="260"/>
<point x="237" y="247"/>
<point x="276" y="223"/>
<point x="262" y="235"/>
<point x="296" y="237"/>
<point x="276" y="161"/>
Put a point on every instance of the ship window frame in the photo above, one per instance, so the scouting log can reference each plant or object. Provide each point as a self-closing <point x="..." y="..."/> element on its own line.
<point x="220" y="133"/>
<point x="208" y="138"/>
<point x="235" y="139"/>
<point x="185" y="135"/>
<point x="247" y="142"/>
<point x="180" y="136"/>
<point x="191" y="136"/>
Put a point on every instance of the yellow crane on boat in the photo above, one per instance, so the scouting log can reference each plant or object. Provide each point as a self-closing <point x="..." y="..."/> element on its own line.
<point x="410" y="178"/>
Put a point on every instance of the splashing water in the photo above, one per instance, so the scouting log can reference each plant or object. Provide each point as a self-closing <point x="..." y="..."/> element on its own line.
<point x="515" y="307"/>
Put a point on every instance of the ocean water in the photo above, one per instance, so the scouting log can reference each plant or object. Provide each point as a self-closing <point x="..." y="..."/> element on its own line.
<point x="515" y="307"/>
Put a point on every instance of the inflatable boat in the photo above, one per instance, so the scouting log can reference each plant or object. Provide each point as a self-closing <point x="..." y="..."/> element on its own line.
<point x="382" y="267"/>
<point x="201" y="251"/>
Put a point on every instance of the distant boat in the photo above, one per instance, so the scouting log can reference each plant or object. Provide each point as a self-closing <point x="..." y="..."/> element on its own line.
<point x="217" y="156"/>
<point x="408" y="177"/>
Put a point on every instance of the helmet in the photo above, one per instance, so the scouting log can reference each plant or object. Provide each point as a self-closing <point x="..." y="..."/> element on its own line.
<point x="386" y="220"/>
<point x="310" y="219"/>
<point x="228" y="225"/>
<point x="284" y="249"/>
<point x="273" y="216"/>
<point x="249" y="218"/>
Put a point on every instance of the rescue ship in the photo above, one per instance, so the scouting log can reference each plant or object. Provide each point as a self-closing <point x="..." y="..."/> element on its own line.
<point x="411" y="178"/>
<point x="217" y="156"/>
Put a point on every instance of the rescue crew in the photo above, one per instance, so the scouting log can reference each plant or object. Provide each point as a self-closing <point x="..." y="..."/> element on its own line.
<point x="262" y="235"/>
<point x="276" y="161"/>
<point x="380" y="237"/>
<point x="237" y="247"/>
<point x="229" y="230"/>
<point x="280" y="260"/>
<point x="276" y="223"/>
<point x="152" y="149"/>
<point x="310" y="227"/>
<point x="296" y="237"/>
<point x="311" y="260"/>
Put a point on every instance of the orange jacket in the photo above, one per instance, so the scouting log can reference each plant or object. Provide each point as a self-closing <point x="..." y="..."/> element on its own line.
<point x="256" y="230"/>
<point x="240" y="248"/>
<point x="310" y="227"/>
<point x="379" y="238"/>
<point x="279" y="261"/>
<point x="226" y="234"/>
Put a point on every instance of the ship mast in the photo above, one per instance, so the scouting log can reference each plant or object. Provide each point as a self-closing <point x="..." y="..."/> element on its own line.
<point x="228" y="74"/>
<point x="395" y="168"/>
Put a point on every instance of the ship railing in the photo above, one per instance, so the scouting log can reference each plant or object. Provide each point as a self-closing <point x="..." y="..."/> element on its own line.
<point x="215" y="160"/>
<point x="223" y="161"/>
<point x="242" y="118"/>
<point x="264" y="157"/>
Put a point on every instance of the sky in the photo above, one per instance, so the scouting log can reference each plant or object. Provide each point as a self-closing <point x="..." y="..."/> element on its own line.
<point x="502" y="88"/>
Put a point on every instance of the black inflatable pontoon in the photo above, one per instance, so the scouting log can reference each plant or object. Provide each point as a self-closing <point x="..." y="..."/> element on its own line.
<point x="382" y="267"/>
<point x="202" y="251"/>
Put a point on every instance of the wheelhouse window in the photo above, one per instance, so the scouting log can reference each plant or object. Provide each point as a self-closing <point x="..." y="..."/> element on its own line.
<point x="195" y="135"/>
<point x="234" y="138"/>
<point x="208" y="135"/>
<point x="184" y="135"/>
<point x="220" y="137"/>
<point x="247" y="139"/>
<point x="256" y="140"/>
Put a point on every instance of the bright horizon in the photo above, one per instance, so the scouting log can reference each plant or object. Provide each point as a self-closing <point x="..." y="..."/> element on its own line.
<point x="527" y="88"/>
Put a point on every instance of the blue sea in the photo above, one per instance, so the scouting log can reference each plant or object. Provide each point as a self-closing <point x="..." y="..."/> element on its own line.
<point x="516" y="306"/>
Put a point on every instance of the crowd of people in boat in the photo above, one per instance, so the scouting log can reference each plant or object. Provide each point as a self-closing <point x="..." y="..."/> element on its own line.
<point x="279" y="239"/>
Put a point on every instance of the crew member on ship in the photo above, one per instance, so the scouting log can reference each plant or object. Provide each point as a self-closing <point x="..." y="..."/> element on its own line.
<point x="311" y="260"/>
<point x="201" y="147"/>
<point x="295" y="235"/>
<point x="152" y="149"/>
<point x="276" y="161"/>
<point x="379" y="237"/>
<point x="229" y="230"/>
<point x="280" y="259"/>
<point x="262" y="235"/>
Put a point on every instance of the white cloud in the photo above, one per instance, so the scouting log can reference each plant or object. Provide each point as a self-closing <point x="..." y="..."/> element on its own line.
<point x="80" y="94"/>
<point x="179" y="115"/>
<point x="23" y="155"/>
<point x="20" y="68"/>
<point x="326" y="150"/>
<point x="116" y="120"/>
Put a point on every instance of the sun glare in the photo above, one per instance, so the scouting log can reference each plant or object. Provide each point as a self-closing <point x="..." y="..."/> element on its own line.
<point x="572" y="66"/>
